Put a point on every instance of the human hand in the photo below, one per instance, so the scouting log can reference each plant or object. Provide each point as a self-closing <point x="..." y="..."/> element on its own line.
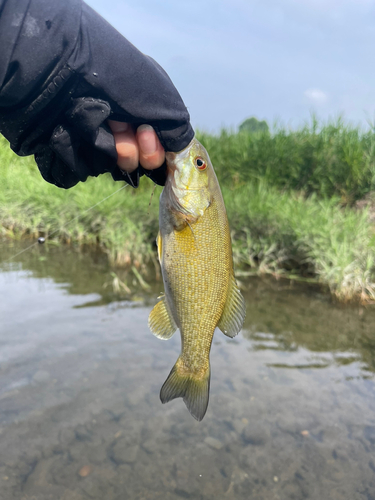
<point x="133" y="148"/>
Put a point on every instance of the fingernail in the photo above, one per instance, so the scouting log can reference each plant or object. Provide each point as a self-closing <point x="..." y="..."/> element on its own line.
<point x="147" y="139"/>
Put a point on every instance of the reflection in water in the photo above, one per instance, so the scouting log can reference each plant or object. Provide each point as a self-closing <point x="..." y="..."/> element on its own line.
<point x="292" y="400"/>
<point x="307" y="324"/>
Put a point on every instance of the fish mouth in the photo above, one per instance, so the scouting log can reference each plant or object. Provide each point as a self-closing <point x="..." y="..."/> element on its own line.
<point x="170" y="160"/>
<point x="170" y="156"/>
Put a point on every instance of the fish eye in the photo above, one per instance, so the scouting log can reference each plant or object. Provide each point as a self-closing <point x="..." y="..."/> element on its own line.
<point x="200" y="163"/>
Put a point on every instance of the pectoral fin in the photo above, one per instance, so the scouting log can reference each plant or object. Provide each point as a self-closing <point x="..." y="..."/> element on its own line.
<point x="233" y="316"/>
<point x="161" y="322"/>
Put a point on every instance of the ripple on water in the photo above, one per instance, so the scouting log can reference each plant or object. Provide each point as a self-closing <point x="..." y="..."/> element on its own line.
<point x="291" y="412"/>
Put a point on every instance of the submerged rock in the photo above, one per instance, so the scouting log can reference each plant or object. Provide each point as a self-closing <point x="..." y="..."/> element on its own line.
<point x="85" y="471"/>
<point x="213" y="443"/>
<point x="124" y="453"/>
<point x="255" y="434"/>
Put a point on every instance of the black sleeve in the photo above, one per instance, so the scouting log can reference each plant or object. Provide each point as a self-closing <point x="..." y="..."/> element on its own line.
<point x="63" y="71"/>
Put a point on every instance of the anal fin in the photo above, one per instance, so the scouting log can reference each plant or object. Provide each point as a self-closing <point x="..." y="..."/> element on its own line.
<point x="233" y="316"/>
<point x="161" y="322"/>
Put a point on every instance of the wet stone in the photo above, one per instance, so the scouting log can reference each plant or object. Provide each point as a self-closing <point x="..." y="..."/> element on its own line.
<point x="213" y="443"/>
<point x="151" y="445"/>
<point x="54" y="449"/>
<point x="237" y="477"/>
<point x="239" y="425"/>
<point x="200" y="478"/>
<point x="62" y="471"/>
<point x="252" y="459"/>
<point x="94" y="487"/>
<point x="39" y="476"/>
<point x="32" y="457"/>
<point x="124" y="453"/>
<point x="233" y="436"/>
<point x="67" y="436"/>
<point x="82" y="433"/>
<point x="71" y="495"/>
<point x="85" y="471"/>
<point x="255" y="435"/>
<point x="291" y="490"/>
<point x="96" y="454"/>
<point x="245" y="489"/>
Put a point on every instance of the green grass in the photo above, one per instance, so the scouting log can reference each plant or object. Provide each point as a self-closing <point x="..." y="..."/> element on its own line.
<point x="121" y="225"/>
<point x="333" y="159"/>
<point x="286" y="234"/>
<point x="288" y="196"/>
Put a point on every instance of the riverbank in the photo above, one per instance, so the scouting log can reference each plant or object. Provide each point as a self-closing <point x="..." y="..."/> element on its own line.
<point x="299" y="234"/>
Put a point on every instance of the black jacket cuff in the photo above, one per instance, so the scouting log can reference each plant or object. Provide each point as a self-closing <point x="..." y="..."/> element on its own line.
<point x="63" y="72"/>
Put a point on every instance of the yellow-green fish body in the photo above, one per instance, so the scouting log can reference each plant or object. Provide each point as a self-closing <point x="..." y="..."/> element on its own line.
<point x="195" y="254"/>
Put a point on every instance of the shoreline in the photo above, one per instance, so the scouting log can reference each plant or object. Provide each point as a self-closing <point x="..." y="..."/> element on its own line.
<point x="275" y="231"/>
<point x="266" y="254"/>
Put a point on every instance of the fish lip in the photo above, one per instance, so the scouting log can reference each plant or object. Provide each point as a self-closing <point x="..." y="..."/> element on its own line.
<point x="171" y="156"/>
<point x="170" y="159"/>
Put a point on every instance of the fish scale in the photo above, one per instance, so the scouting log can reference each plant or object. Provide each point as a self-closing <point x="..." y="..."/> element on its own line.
<point x="196" y="261"/>
<point x="199" y="278"/>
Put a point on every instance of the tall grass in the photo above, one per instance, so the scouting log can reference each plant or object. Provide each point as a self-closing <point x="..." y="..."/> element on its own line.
<point x="286" y="234"/>
<point x="288" y="196"/>
<point x="122" y="225"/>
<point x="333" y="159"/>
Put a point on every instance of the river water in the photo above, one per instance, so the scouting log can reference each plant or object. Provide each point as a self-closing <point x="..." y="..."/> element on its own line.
<point x="292" y="404"/>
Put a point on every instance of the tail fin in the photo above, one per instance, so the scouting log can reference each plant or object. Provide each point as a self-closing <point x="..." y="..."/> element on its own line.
<point x="193" y="388"/>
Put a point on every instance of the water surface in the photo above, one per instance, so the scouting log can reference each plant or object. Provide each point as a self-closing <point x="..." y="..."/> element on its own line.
<point x="292" y="406"/>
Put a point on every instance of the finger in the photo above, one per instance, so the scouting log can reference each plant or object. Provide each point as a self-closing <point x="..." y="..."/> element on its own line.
<point x="118" y="126"/>
<point x="151" y="152"/>
<point x="126" y="145"/>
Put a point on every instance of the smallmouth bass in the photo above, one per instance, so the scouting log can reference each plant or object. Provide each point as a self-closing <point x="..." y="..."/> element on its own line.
<point x="195" y="254"/>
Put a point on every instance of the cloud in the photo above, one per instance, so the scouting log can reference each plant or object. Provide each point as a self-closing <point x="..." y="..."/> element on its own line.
<point x="317" y="96"/>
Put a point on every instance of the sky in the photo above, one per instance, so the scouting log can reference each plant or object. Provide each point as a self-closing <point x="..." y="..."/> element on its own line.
<point x="278" y="60"/>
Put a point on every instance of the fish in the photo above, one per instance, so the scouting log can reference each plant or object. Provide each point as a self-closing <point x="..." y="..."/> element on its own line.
<point x="200" y="289"/>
